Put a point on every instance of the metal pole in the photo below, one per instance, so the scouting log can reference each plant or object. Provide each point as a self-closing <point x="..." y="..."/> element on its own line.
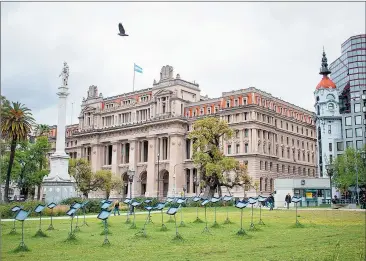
<point x="241" y="220"/>
<point x="22" y="233"/>
<point x="176" y="228"/>
<point x="330" y="182"/>
<point x="133" y="84"/>
<point x="40" y="220"/>
<point x="358" y="196"/>
<point x="131" y="196"/>
<point x="157" y="193"/>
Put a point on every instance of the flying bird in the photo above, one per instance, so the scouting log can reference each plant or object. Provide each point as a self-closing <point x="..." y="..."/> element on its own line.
<point x="122" y="31"/>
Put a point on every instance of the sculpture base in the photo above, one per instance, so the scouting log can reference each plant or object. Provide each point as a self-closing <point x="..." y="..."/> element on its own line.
<point x="58" y="185"/>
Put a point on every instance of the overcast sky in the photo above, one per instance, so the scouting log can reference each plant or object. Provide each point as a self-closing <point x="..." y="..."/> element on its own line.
<point x="276" y="47"/>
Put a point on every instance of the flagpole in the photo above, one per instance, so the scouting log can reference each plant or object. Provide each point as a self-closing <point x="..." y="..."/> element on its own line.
<point x="133" y="85"/>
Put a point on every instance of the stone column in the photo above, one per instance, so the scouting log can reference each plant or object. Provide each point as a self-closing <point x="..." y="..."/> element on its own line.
<point x="176" y="159"/>
<point x="132" y="165"/>
<point x="191" y="181"/>
<point x="152" y="174"/>
<point x="115" y="156"/>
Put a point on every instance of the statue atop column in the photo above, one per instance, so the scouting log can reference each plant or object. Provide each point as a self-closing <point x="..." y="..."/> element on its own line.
<point x="65" y="74"/>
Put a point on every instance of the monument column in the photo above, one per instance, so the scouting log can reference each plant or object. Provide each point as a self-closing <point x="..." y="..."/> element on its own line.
<point x="58" y="185"/>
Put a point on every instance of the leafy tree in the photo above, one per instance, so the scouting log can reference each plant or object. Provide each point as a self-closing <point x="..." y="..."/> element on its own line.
<point x="16" y="124"/>
<point x="110" y="182"/>
<point x="85" y="179"/>
<point x="216" y="169"/>
<point x="346" y="167"/>
<point x="42" y="130"/>
<point x="39" y="151"/>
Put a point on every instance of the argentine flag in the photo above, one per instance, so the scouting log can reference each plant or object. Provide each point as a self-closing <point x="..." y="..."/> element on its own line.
<point x="137" y="68"/>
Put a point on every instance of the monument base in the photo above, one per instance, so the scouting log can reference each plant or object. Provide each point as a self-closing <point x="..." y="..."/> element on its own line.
<point x="58" y="185"/>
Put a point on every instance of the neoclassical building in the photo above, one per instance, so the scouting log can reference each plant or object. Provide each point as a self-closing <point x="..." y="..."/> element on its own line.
<point x="146" y="131"/>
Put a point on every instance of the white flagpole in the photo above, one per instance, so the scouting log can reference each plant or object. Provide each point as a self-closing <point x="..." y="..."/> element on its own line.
<point x="72" y="108"/>
<point x="133" y="85"/>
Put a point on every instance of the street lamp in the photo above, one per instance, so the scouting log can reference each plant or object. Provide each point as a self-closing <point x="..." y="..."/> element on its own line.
<point x="157" y="193"/>
<point x="131" y="174"/>
<point x="329" y="168"/>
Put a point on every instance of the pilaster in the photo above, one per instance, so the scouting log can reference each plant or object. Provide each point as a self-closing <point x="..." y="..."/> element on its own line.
<point x="152" y="175"/>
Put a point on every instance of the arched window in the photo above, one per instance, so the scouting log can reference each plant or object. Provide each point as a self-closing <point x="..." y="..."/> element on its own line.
<point x="266" y="184"/>
<point x="330" y="97"/>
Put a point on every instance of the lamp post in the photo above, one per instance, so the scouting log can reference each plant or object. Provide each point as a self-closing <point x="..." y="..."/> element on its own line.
<point x="363" y="156"/>
<point x="329" y="169"/>
<point x="131" y="174"/>
<point x="157" y="193"/>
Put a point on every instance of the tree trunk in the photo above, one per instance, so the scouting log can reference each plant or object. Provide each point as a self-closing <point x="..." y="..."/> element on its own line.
<point x="11" y="161"/>
<point x="220" y="191"/>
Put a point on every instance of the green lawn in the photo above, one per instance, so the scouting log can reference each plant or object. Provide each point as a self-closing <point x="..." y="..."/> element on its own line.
<point x="278" y="239"/>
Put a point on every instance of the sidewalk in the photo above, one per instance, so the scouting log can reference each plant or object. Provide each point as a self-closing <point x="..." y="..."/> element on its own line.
<point x="80" y="216"/>
<point x="330" y="209"/>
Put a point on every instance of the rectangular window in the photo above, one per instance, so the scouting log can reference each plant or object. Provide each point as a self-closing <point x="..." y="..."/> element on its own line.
<point x="340" y="146"/>
<point x="348" y="121"/>
<point x="229" y="149"/>
<point x="246" y="147"/>
<point x="357" y="107"/>
<point x="329" y="129"/>
<point x="330" y="147"/>
<point x="359" y="144"/>
<point x="245" y="116"/>
<point x="246" y="132"/>
<point x="237" y="133"/>
<point x="349" y="133"/>
<point x="358" y="120"/>
<point x="358" y="132"/>
<point x="237" y="148"/>
<point x="349" y="144"/>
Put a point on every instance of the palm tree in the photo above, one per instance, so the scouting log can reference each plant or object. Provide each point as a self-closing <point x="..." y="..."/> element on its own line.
<point x="16" y="123"/>
<point x="42" y="130"/>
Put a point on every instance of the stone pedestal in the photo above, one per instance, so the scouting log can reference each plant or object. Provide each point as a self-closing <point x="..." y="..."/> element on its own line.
<point x="58" y="185"/>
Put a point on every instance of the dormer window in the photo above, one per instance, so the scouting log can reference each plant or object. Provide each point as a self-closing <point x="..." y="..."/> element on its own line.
<point x="236" y="103"/>
<point x="245" y="101"/>
<point x="209" y="110"/>
<point x="202" y="111"/>
<point x="216" y="109"/>
<point x="127" y="102"/>
<point x="228" y="104"/>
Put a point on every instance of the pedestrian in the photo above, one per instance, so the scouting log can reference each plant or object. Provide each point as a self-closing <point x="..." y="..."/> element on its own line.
<point x="288" y="200"/>
<point x="363" y="201"/>
<point x="270" y="201"/>
<point x="116" y="208"/>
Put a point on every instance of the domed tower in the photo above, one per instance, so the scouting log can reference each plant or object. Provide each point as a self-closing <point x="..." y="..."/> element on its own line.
<point x="328" y="118"/>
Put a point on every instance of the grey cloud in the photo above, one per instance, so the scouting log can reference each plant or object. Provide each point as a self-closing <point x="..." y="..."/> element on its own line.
<point x="223" y="46"/>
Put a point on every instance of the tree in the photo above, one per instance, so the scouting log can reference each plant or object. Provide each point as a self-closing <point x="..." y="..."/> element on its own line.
<point x="110" y="182"/>
<point x="216" y="169"/>
<point x="347" y="167"/>
<point x="85" y="179"/>
<point x="39" y="151"/>
<point x="42" y="130"/>
<point x="16" y="124"/>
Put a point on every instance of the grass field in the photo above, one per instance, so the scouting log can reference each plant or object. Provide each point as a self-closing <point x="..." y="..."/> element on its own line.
<point x="325" y="235"/>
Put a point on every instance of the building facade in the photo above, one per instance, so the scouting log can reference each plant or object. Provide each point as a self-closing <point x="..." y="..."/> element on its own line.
<point x="146" y="131"/>
<point x="349" y="76"/>
<point x="328" y="119"/>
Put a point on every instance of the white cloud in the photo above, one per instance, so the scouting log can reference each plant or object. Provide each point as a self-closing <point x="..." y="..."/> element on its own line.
<point x="222" y="46"/>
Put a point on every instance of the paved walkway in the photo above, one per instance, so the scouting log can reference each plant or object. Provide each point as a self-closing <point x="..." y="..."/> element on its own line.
<point x="80" y="216"/>
<point x="330" y="209"/>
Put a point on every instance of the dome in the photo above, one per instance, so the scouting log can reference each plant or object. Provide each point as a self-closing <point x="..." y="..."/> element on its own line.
<point x="326" y="83"/>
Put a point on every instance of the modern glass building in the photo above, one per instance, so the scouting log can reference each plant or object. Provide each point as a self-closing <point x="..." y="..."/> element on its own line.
<point x="349" y="75"/>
